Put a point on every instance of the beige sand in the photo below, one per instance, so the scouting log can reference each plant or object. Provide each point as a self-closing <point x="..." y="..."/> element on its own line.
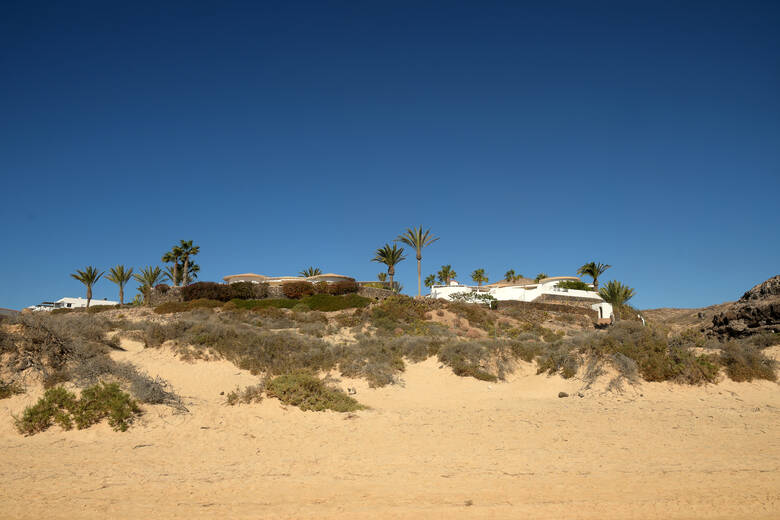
<point x="439" y="447"/>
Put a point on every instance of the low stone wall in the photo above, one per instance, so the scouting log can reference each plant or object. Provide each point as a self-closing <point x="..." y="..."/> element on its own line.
<point x="374" y="293"/>
<point x="550" y="307"/>
<point x="573" y="301"/>
<point x="172" y="294"/>
<point x="275" y="291"/>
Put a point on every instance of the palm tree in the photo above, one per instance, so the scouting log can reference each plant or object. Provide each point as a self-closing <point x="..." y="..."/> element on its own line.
<point x="390" y="256"/>
<point x="120" y="276"/>
<point x="175" y="274"/>
<point x="540" y="277"/>
<point x="382" y="277"/>
<point x="446" y="274"/>
<point x="510" y="276"/>
<point x="148" y="277"/>
<point x="617" y="294"/>
<point x="173" y="256"/>
<point x="594" y="270"/>
<point x="187" y="250"/>
<point x="89" y="277"/>
<point x="418" y="239"/>
<point x="430" y="281"/>
<point x="310" y="271"/>
<point x="479" y="276"/>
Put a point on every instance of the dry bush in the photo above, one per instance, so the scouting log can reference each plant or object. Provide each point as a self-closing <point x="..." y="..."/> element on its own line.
<point x="9" y="390"/>
<point x="250" y="394"/>
<point x="745" y="362"/>
<point x="74" y="347"/>
<point x="477" y="315"/>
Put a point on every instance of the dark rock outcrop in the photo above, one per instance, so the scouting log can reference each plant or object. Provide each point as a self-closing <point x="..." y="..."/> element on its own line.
<point x="757" y="311"/>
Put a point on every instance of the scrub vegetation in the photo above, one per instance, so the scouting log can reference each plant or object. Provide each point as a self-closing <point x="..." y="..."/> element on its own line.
<point x="288" y="342"/>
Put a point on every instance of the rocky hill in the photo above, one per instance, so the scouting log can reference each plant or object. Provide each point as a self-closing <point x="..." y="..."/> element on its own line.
<point x="758" y="310"/>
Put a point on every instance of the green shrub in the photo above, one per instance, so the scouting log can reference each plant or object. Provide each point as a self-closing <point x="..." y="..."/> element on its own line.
<point x="328" y="303"/>
<point x="308" y="392"/>
<point x="477" y="314"/>
<point x="105" y="400"/>
<point x="466" y="358"/>
<point x="56" y="405"/>
<point x="207" y="291"/>
<point x="95" y="309"/>
<point x="297" y="290"/>
<point x="400" y="312"/>
<point x="342" y="287"/>
<point x="242" y="291"/>
<point x="321" y="288"/>
<point x="172" y="307"/>
<point x="277" y="303"/>
<point x="745" y="362"/>
<point x="575" y="285"/>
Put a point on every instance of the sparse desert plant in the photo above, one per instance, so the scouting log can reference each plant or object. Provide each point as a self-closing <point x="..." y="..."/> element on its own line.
<point x="308" y="392"/>
<point x="250" y="394"/>
<point x="746" y="362"/>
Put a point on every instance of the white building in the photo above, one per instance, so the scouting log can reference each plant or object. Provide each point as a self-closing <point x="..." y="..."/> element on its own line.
<point x="278" y="280"/>
<point x="69" y="303"/>
<point x="527" y="292"/>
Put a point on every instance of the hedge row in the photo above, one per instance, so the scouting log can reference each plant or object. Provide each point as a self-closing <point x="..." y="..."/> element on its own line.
<point x="223" y="292"/>
<point x="298" y="290"/>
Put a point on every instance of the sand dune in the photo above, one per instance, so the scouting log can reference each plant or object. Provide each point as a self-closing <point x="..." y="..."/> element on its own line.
<point x="439" y="446"/>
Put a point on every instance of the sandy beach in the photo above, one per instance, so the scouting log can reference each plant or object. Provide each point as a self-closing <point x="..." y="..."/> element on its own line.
<point x="438" y="446"/>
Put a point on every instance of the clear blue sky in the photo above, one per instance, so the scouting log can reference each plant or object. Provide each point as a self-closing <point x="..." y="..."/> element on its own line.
<point x="287" y="134"/>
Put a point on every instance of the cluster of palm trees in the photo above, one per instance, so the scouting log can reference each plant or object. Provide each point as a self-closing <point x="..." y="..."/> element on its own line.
<point x="391" y="255"/>
<point x="90" y="275"/>
<point x="182" y="272"/>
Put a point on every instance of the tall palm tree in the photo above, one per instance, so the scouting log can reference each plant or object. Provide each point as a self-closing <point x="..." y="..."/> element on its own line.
<point x="310" y="271"/>
<point x="430" y="281"/>
<point x="594" y="270"/>
<point x="120" y="276"/>
<point x="479" y="276"/>
<point x="175" y="274"/>
<point x="540" y="277"/>
<point x="446" y="274"/>
<point x="510" y="276"/>
<point x="617" y="294"/>
<point x="382" y="277"/>
<point x="173" y="256"/>
<point x="418" y="239"/>
<point x="148" y="277"/>
<point x="187" y="250"/>
<point x="390" y="256"/>
<point x="89" y="277"/>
